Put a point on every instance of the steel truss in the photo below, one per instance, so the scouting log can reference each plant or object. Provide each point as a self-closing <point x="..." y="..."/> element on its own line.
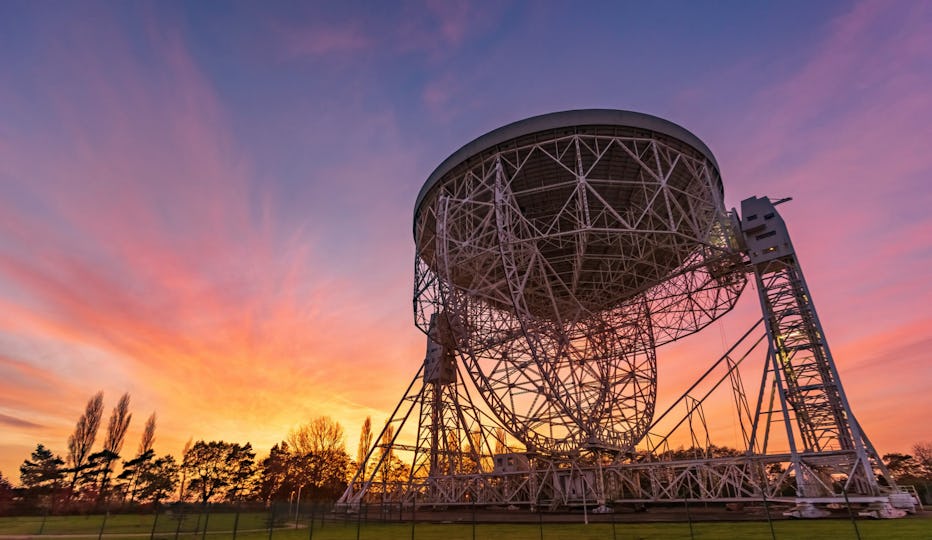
<point x="460" y="457"/>
<point x="550" y="266"/>
<point x="554" y="300"/>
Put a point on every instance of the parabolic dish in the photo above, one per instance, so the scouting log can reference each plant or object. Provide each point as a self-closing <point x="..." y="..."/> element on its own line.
<point x="563" y="249"/>
<point x="613" y="201"/>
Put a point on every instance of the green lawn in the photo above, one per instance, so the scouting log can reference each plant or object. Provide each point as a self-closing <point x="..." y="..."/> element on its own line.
<point x="132" y="524"/>
<point x="220" y="526"/>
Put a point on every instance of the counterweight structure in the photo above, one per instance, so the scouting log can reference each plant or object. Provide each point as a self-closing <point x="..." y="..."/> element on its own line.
<point x="554" y="256"/>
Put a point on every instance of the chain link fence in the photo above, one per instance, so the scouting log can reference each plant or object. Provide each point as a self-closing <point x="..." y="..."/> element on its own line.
<point x="305" y="520"/>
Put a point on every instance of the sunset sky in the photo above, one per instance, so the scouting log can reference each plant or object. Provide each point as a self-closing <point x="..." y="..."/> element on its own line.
<point x="209" y="204"/>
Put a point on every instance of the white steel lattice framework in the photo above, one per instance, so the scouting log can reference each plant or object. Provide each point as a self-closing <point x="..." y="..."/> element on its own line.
<point x="554" y="255"/>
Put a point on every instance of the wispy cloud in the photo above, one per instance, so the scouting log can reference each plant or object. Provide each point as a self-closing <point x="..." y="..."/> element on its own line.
<point x="17" y="423"/>
<point x="159" y="255"/>
<point x="847" y="135"/>
<point x="323" y="40"/>
<point x="240" y="263"/>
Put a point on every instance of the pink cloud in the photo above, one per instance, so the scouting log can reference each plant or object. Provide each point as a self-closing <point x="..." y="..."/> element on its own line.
<point x="857" y="97"/>
<point x="320" y="40"/>
<point x="846" y="134"/>
<point x="455" y="19"/>
<point x="156" y="265"/>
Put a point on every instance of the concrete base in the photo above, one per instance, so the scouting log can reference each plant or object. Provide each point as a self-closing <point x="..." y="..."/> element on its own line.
<point x="904" y="501"/>
<point x="806" y="511"/>
<point x="882" y="511"/>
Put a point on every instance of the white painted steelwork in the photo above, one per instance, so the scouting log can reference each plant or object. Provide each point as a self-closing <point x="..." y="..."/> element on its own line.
<point x="554" y="255"/>
<point x="559" y="252"/>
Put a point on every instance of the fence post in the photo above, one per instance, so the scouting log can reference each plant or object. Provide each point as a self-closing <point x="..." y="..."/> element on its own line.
<point x="689" y="518"/>
<point x="358" y="521"/>
<point x="613" y="523"/>
<point x="236" y="522"/>
<point x="540" y="522"/>
<point x="854" y="522"/>
<point x="271" y="519"/>
<point x="206" y="522"/>
<point x="180" y="519"/>
<point x="473" y="518"/>
<point x="773" y="532"/>
<point x="413" y="514"/>
<point x="103" y="524"/>
<point x="155" y="521"/>
<point x="45" y="516"/>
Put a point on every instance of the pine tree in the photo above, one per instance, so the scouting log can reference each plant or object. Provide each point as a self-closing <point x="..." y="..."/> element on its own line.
<point x="81" y="441"/>
<point x="116" y="433"/>
<point x="41" y="475"/>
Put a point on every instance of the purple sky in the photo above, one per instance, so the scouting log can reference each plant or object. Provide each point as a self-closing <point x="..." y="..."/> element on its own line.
<point x="209" y="204"/>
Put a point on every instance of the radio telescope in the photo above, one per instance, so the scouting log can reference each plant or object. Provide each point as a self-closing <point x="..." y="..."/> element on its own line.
<point x="558" y="252"/>
<point x="553" y="257"/>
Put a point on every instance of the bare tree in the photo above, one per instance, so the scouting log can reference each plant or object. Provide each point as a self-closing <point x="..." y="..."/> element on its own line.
<point x="501" y="441"/>
<point x="148" y="436"/>
<point x="923" y="452"/>
<point x="387" y="453"/>
<point x="82" y="440"/>
<point x="319" y="436"/>
<point x="365" y="442"/>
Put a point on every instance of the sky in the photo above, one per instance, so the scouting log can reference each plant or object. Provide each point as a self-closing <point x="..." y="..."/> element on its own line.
<point x="208" y="204"/>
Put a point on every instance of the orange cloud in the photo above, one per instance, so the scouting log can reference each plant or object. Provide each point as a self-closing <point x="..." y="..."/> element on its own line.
<point x="154" y="264"/>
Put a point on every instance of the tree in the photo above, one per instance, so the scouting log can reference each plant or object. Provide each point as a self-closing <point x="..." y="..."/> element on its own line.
<point x="318" y="475"/>
<point x="365" y="443"/>
<point x="320" y="435"/>
<point x="6" y="495"/>
<point x="923" y="452"/>
<point x="158" y="481"/>
<point x="501" y="441"/>
<point x="82" y="440"/>
<point x="148" y="436"/>
<point x="184" y="473"/>
<point x="903" y="467"/>
<point x="42" y="471"/>
<point x="41" y="475"/>
<point x="218" y="469"/>
<point x="322" y="474"/>
<point x="133" y="469"/>
<point x="242" y="463"/>
<point x="113" y="444"/>
<point x="275" y="476"/>
<point x="388" y="457"/>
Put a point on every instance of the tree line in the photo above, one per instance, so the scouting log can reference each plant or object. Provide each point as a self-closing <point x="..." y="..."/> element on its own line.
<point x="311" y="460"/>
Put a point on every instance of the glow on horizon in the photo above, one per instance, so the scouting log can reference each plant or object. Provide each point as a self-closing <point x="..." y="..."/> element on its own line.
<point x="216" y="217"/>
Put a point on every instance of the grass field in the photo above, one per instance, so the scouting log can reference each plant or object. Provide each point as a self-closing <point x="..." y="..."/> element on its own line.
<point x="132" y="524"/>
<point x="255" y="527"/>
